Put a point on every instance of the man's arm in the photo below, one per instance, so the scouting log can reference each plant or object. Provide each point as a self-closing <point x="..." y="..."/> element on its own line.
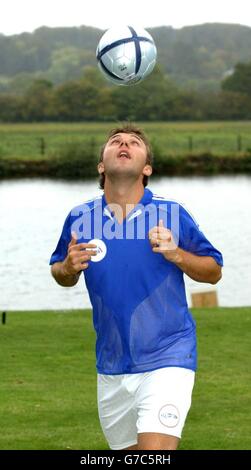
<point x="198" y="268"/>
<point x="62" y="277"/>
<point x="67" y="272"/>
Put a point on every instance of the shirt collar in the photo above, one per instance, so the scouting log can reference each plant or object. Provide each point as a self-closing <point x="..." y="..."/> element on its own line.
<point x="146" y="199"/>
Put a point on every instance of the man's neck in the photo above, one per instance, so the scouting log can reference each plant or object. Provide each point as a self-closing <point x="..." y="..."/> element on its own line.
<point x="122" y="198"/>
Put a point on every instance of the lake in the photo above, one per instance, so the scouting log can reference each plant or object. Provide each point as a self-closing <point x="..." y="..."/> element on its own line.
<point x="32" y="212"/>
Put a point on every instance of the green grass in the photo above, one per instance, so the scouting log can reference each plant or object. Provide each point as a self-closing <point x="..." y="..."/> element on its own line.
<point x="48" y="382"/>
<point x="23" y="141"/>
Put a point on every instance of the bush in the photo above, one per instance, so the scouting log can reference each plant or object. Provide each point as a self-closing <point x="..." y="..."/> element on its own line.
<point x="75" y="160"/>
<point x="1" y="152"/>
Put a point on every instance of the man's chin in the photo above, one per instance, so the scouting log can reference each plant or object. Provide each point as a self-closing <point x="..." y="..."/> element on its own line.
<point x="122" y="173"/>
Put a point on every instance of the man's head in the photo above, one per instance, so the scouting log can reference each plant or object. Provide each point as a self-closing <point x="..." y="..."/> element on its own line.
<point x="126" y="153"/>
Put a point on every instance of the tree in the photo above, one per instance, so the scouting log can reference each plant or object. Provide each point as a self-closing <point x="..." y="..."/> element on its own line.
<point x="150" y="100"/>
<point x="82" y="101"/>
<point x="11" y="108"/>
<point x="240" y="80"/>
<point x="68" y="64"/>
<point x="230" y="105"/>
<point x="37" y="101"/>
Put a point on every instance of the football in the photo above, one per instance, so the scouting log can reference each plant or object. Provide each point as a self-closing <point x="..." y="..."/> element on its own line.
<point x="126" y="55"/>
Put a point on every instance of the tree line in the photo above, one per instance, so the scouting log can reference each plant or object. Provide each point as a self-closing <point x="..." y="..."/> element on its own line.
<point x="158" y="98"/>
<point x="195" y="57"/>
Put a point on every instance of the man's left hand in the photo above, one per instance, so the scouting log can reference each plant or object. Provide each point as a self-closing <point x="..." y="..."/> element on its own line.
<point x="162" y="241"/>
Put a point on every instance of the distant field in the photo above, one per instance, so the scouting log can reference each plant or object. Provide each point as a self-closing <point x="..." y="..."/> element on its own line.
<point x="23" y="141"/>
<point x="48" y="382"/>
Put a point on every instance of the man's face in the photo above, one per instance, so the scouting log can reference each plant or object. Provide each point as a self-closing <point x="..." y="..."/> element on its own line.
<point x="125" y="155"/>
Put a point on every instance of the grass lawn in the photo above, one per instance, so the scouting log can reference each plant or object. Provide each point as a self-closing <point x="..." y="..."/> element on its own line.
<point x="23" y="141"/>
<point x="48" y="382"/>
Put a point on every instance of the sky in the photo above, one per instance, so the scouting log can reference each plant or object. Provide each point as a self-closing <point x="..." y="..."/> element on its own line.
<point x="26" y="15"/>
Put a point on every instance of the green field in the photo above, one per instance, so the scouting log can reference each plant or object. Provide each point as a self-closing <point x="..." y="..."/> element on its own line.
<point x="48" y="382"/>
<point x="23" y="141"/>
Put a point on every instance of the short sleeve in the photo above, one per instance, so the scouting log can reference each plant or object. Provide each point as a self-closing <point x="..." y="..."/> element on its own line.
<point x="193" y="240"/>
<point x="62" y="247"/>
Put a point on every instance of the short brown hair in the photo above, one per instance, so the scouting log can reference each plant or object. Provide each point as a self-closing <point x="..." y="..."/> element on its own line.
<point x="127" y="128"/>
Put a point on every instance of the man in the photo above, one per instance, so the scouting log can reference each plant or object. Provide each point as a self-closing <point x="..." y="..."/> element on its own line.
<point x="133" y="249"/>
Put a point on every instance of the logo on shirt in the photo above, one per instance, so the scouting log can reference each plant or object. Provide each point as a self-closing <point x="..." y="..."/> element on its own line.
<point x="101" y="250"/>
<point x="169" y="416"/>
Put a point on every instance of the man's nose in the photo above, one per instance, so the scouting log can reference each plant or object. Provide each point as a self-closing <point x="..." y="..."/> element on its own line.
<point x="122" y="143"/>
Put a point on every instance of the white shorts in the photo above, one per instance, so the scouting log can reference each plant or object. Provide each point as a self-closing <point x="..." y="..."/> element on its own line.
<point x="156" y="401"/>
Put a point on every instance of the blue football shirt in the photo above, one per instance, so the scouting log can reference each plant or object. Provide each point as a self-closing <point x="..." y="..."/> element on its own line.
<point x="140" y="311"/>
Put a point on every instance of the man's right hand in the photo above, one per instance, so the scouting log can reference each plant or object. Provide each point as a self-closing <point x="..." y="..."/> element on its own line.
<point x="77" y="257"/>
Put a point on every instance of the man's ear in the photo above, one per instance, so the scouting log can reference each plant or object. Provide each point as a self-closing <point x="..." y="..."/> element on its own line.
<point x="101" y="168"/>
<point x="147" y="170"/>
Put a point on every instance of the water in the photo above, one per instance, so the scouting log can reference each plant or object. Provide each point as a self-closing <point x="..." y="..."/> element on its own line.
<point x="32" y="213"/>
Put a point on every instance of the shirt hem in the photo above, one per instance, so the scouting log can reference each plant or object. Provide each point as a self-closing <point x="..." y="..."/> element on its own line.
<point x="141" y="371"/>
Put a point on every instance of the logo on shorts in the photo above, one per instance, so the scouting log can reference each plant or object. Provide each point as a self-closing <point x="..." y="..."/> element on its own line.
<point x="169" y="416"/>
<point x="101" y="250"/>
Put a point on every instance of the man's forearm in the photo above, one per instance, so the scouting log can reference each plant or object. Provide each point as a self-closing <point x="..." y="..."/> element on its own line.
<point x="198" y="268"/>
<point x="63" y="279"/>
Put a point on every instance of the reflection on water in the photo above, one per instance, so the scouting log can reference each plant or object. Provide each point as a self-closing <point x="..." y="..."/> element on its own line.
<point x="32" y="213"/>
